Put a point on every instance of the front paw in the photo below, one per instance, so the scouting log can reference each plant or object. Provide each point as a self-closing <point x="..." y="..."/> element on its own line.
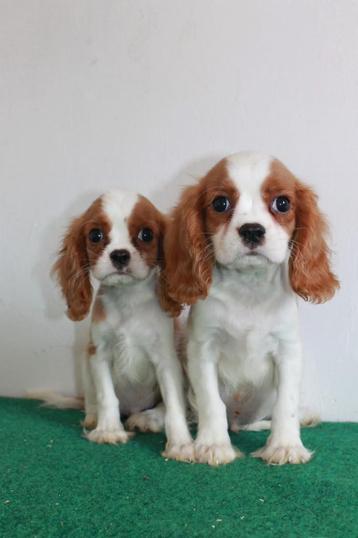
<point x="278" y="454"/>
<point x="179" y="452"/>
<point x="111" y="437"/>
<point x="215" y="454"/>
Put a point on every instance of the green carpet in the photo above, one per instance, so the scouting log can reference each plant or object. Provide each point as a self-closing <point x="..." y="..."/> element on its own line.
<point x="55" y="483"/>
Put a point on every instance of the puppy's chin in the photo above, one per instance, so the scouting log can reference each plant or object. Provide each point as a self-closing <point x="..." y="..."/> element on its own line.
<point x="130" y="277"/>
<point x="117" y="279"/>
<point x="247" y="261"/>
<point x="251" y="259"/>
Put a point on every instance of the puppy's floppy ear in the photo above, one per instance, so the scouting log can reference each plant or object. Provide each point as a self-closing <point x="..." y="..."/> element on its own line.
<point x="310" y="273"/>
<point x="188" y="256"/>
<point x="72" y="271"/>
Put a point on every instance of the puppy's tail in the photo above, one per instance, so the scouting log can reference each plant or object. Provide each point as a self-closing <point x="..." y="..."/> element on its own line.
<point x="51" y="398"/>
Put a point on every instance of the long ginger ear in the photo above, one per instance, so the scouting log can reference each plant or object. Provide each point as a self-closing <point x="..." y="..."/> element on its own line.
<point x="310" y="273"/>
<point x="188" y="256"/>
<point x="72" y="271"/>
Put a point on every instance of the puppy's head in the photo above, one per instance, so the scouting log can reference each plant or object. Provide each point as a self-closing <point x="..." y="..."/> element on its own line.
<point x="248" y="211"/>
<point x="118" y="240"/>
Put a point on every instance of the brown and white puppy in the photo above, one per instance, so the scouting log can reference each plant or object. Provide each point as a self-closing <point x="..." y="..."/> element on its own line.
<point x="241" y="246"/>
<point x="131" y="367"/>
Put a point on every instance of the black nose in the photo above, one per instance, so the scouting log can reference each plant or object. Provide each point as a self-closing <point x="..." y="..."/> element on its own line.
<point x="252" y="233"/>
<point x="120" y="258"/>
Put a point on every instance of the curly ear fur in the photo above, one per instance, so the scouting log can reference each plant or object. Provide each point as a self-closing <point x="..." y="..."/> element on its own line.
<point x="72" y="271"/>
<point x="310" y="273"/>
<point x="187" y="271"/>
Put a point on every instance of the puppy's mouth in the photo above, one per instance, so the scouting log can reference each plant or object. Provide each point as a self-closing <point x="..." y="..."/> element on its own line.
<point x="119" y="272"/>
<point x="124" y="276"/>
<point x="124" y="271"/>
<point x="251" y="259"/>
<point x="119" y="275"/>
<point x="253" y="253"/>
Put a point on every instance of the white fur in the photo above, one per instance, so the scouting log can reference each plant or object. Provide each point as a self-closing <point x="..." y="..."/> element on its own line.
<point x="135" y="363"/>
<point x="244" y="348"/>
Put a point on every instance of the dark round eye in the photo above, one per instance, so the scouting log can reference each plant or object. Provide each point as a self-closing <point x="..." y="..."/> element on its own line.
<point x="221" y="204"/>
<point x="146" y="235"/>
<point x="95" y="235"/>
<point x="281" y="204"/>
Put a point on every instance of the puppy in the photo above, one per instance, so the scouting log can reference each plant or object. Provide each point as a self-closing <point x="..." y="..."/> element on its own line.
<point x="131" y="366"/>
<point x="241" y="246"/>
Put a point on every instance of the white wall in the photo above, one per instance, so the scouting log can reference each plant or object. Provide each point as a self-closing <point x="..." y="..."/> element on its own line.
<point x="144" y="94"/>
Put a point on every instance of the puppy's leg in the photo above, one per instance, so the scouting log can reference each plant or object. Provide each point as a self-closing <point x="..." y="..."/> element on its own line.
<point x="212" y="444"/>
<point x="179" y="444"/>
<point x="284" y="444"/>
<point x="151" y="420"/>
<point x="109" y="428"/>
<point x="89" y="390"/>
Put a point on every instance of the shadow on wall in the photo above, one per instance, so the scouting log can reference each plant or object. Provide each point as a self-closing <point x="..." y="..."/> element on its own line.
<point x="167" y="196"/>
<point x="55" y="306"/>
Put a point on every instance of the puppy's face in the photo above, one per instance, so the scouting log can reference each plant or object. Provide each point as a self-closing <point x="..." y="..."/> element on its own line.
<point x="123" y="238"/>
<point x="251" y="212"/>
<point x="248" y="211"/>
<point x="118" y="240"/>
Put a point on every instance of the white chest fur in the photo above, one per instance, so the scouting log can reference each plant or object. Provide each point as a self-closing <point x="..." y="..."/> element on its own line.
<point x="242" y="320"/>
<point x="130" y="334"/>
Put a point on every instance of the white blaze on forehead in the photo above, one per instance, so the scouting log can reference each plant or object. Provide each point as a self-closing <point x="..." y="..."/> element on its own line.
<point x="118" y="206"/>
<point x="248" y="171"/>
<point x="119" y="203"/>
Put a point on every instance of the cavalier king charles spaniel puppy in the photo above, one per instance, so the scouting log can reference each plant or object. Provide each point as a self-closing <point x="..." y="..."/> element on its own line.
<point x="131" y="366"/>
<point x="241" y="246"/>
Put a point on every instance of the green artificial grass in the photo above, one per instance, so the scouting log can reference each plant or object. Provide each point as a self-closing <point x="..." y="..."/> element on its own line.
<point x="55" y="483"/>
